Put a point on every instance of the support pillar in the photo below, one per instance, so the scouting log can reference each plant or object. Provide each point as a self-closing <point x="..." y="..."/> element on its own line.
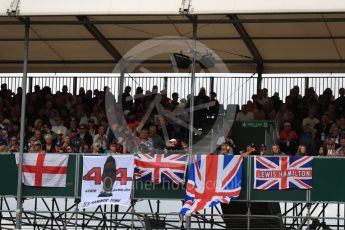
<point x="19" y="209"/>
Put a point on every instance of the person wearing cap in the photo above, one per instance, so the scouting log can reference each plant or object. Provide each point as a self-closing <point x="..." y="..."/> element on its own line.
<point x="250" y="150"/>
<point x="75" y="140"/>
<point x="173" y="147"/>
<point x="37" y="147"/>
<point x="263" y="150"/>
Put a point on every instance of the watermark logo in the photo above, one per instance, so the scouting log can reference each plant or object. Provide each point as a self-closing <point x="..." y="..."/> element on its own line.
<point x="127" y="120"/>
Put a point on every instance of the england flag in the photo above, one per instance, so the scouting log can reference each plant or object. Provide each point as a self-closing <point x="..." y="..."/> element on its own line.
<point x="44" y="170"/>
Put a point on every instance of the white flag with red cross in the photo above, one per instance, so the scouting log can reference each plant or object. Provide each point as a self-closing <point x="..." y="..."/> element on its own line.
<point x="44" y="170"/>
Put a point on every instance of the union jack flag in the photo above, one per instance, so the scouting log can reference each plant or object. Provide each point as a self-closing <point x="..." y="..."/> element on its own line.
<point x="160" y="168"/>
<point x="212" y="179"/>
<point x="286" y="172"/>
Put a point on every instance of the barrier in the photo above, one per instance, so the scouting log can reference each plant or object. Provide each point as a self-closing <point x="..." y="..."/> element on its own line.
<point x="329" y="184"/>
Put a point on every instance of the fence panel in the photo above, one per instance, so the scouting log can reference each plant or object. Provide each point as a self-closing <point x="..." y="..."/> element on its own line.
<point x="230" y="89"/>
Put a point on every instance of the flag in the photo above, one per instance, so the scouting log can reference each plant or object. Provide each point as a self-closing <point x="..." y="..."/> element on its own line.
<point x="212" y="179"/>
<point x="107" y="180"/>
<point x="284" y="172"/>
<point x="161" y="168"/>
<point x="44" y="170"/>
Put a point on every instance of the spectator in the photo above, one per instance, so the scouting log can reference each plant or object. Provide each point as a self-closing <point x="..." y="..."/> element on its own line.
<point x="201" y="100"/>
<point x="14" y="145"/>
<point x="302" y="150"/>
<point x="342" y="126"/>
<point x="322" y="151"/>
<point x="47" y="130"/>
<point x="49" y="146"/>
<point x="37" y="147"/>
<point x="96" y="148"/>
<point x="157" y="140"/>
<point x="250" y="150"/>
<point x="59" y="126"/>
<point x="245" y="114"/>
<point x="323" y="127"/>
<point x="3" y="147"/>
<point x="263" y="150"/>
<point x="288" y="139"/>
<point x="311" y="120"/>
<point x="334" y="133"/>
<point x="84" y="136"/>
<point x="340" y="102"/>
<point x="226" y="149"/>
<point x="174" y="102"/>
<point x="101" y="138"/>
<point x="330" y="147"/>
<point x="276" y="150"/>
<point x="214" y="108"/>
<point x="144" y="139"/>
<point x="76" y="142"/>
<point x="341" y="149"/>
<point x="112" y="148"/>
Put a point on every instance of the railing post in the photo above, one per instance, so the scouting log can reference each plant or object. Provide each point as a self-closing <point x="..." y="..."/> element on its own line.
<point x="306" y="82"/>
<point x="30" y="85"/>
<point x="19" y="210"/>
<point x="165" y="84"/>
<point x="75" y="81"/>
<point x="259" y="70"/>
<point x="211" y="84"/>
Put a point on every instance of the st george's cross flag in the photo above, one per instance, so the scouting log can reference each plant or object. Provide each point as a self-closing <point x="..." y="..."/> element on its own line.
<point x="44" y="170"/>
<point x="283" y="172"/>
<point x="212" y="179"/>
<point x="161" y="168"/>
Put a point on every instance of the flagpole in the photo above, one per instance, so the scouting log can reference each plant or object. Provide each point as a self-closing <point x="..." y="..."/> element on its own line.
<point x="22" y="125"/>
<point x="191" y="108"/>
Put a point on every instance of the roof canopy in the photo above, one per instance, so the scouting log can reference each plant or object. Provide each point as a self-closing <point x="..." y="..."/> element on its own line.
<point x="90" y="41"/>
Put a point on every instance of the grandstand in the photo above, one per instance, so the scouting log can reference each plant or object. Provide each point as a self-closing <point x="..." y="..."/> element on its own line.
<point x="176" y="78"/>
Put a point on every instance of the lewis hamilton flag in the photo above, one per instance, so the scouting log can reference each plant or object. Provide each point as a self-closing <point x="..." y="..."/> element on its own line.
<point x="44" y="170"/>
<point x="107" y="180"/>
<point x="212" y="179"/>
<point x="284" y="172"/>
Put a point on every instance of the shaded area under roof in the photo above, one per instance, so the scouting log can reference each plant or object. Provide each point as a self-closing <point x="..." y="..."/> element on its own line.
<point x="285" y="42"/>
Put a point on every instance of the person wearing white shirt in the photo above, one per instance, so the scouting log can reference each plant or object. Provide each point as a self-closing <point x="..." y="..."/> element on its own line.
<point x="59" y="126"/>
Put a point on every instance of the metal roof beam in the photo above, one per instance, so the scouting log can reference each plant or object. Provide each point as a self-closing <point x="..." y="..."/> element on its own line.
<point x="285" y="61"/>
<point x="177" y="21"/>
<point x="176" y="38"/>
<point x="100" y="38"/>
<point x="247" y="40"/>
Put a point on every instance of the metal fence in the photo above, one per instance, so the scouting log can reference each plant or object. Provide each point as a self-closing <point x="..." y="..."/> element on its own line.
<point x="230" y="88"/>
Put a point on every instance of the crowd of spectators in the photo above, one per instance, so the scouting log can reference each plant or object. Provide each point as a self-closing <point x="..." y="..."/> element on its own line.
<point x="62" y="122"/>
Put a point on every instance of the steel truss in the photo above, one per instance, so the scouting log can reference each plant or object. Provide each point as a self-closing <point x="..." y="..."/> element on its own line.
<point x="62" y="213"/>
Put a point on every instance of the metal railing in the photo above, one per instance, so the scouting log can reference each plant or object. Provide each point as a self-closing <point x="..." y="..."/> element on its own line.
<point x="230" y="88"/>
